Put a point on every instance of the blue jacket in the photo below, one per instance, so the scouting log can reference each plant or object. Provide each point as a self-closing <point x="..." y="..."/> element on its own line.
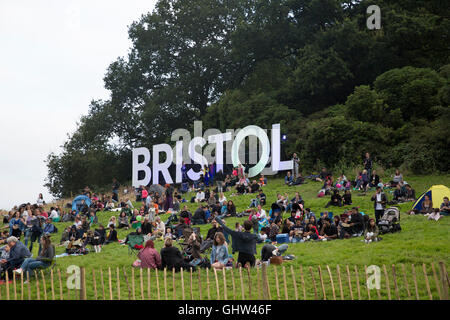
<point x="219" y="253"/>
<point x="17" y="254"/>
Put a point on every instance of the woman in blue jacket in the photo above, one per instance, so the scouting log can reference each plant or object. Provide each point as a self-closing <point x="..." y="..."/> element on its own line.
<point x="219" y="253"/>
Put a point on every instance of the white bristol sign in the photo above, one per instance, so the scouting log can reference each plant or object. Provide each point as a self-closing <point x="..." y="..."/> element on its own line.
<point x="196" y="150"/>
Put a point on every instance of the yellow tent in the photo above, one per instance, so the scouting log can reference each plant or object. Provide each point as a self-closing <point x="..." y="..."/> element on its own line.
<point x="436" y="194"/>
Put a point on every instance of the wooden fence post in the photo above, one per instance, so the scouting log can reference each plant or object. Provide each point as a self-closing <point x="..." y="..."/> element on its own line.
<point x="303" y="282"/>
<point x="394" y="275"/>
<point x="415" y="281"/>
<point x="367" y="280"/>
<point x="15" y="287"/>
<point x="182" y="284"/>
<point x="157" y="284"/>
<point x="117" y="285"/>
<point x="94" y="283"/>
<point x="127" y="283"/>
<point x="264" y="281"/>
<point x="242" y="283"/>
<point x="285" y="284"/>
<point x="44" y="285"/>
<point x="436" y="282"/>
<point x="321" y="283"/>
<point x="426" y="281"/>
<point x="217" y="283"/>
<point x="444" y="279"/>
<point x="207" y="284"/>
<point x="7" y="285"/>
<point x="388" y="288"/>
<point x="234" y="284"/>
<point x="349" y="282"/>
<point x="21" y="287"/>
<point x="103" y="283"/>
<point x="314" y="283"/>
<point x="148" y="284"/>
<point x="37" y="285"/>
<point x="52" y="285"/>
<point x="340" y="282"/>
<point x="276" y="282"/>
<point x="199" y="284"/>
<point x="82" y="284"/>
<point x="173" y="285"/>
<point x="225" y="295"/>
<point x="294" y="282"/>
<point x="258" y="284"/>
<point x="60" y="286"/>
<point x="110" y="284"/>
<point x="165" y="283"/>
<point x="133" y="287"/>
<point x="357" y="283"/>
<point x="406" y="281"/>
<point x="249" y="283"/>
<point x="332" y="282"/>
<point x="192" y="284"/>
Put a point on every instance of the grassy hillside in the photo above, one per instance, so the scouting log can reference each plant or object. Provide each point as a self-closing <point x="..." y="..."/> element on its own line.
<point x="420" y="241"/>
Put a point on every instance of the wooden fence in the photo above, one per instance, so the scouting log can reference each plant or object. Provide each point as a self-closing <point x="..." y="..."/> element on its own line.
<point x="412" y="282"/>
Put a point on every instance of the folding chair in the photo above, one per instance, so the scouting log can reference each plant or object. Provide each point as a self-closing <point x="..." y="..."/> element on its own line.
<point x="133" y="240"/>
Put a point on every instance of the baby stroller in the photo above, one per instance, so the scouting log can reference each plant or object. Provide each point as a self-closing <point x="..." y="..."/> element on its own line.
<point x="390" y="221"/>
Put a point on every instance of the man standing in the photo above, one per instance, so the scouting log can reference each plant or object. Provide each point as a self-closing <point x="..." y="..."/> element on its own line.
<point x="243" y="242"/>
<point x="219" y="181"/>
<point x="380" y="203"/>
<point x="368" y="164"/>
<point x="296" y="162"/>
<point x="115" y="190"/>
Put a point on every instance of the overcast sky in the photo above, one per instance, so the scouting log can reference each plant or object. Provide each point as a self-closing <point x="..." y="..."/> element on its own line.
<point x="53" y="56"/>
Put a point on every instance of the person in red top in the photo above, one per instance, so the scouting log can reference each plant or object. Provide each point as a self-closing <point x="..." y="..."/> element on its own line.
<point x="149" y="257"/>
<point x="43" y="213"/>
<point x="144" y="194"/>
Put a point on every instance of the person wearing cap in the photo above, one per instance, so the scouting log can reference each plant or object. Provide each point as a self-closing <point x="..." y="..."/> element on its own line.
<point x="17" y="254"/>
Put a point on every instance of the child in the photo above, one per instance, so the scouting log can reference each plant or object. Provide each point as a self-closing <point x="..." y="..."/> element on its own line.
<point x="238" y="227"/>
<point x="262" y="236"/>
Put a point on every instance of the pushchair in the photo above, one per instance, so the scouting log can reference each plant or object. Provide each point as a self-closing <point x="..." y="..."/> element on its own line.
<point x="390" y="221"/>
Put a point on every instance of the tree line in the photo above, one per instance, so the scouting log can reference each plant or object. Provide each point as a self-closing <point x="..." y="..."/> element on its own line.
<point x="337" y="88"/>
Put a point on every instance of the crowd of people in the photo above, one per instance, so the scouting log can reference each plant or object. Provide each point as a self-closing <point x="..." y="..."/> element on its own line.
<point x="30" y="223"/>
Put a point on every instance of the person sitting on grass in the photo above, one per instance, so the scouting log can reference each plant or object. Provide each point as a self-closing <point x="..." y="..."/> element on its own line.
<point x="427" y="205"/>
<point x="336" y="199"/>
<point x="111" y="235"/>
<point x="17" y="255"/>
<point x="347" y="198"/>
<point x="171" y="257"/>
<point x="274" y="230"/>
<point x="410" y="194"/>
<point x="194" y="244"/>
<point x="209" y="240"/>
<point x="328" y="231"/>
<point x="149" y="257"/>
<point x="160" y="227"/>
<point x="43" y="260"/>
<point x="399" y="194"/>
<point x="371" y="233"/>
<point x="242" y="242"/>
<point x="310" y="232"/>
<point x="219" y="252"/>
<point x="261" y="197"/>
<point x="199" y="216"/>
<point x="445" y="207"/>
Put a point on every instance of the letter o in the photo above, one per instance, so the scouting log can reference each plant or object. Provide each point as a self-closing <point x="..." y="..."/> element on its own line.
<point x="261" y="135"/>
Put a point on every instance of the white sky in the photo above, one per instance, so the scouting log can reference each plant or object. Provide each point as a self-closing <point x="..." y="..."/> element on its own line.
<point x="53" y="57"/>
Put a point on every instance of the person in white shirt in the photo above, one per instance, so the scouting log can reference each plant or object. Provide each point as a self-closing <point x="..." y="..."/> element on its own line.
<point x="40" y="200"/>
<point x="160" y="227"/>
<point x="222" y="199"/>
<point x="200" y="196"/>
<point x="53" y="214"/>
<point x="261" y="212"/>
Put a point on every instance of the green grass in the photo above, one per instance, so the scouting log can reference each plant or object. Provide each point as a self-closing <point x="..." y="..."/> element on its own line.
<point x="420" y="241"/>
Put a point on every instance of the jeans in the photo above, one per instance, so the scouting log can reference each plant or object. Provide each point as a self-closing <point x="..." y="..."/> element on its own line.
<point x="219" y="186"/>
<point x="31" y="264"/>
<point x="195" y="262"/>
<point x="27" y="236"/>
